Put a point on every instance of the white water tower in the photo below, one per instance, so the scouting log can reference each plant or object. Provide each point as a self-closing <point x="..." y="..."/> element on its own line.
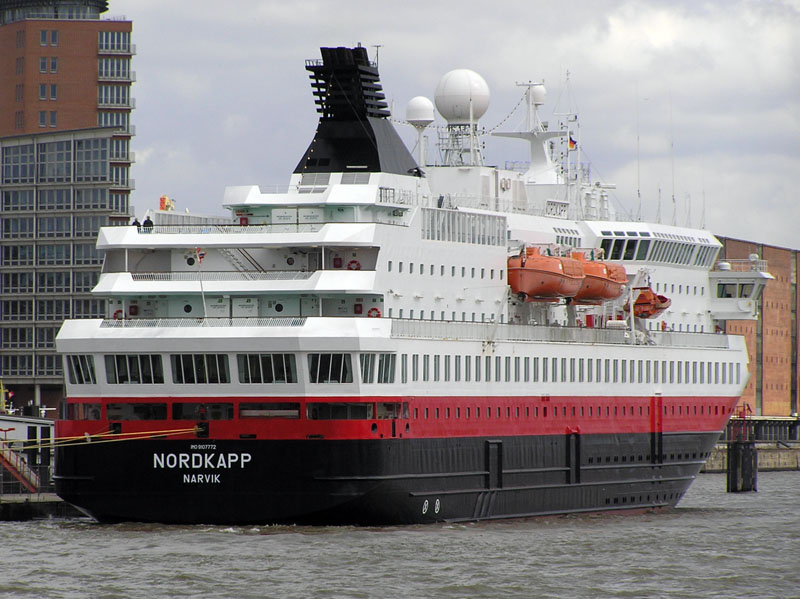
<point x="419" y="112"/>
<point x="462" y="98"/>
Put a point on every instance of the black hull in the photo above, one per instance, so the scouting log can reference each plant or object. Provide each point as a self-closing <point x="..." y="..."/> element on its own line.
<point x="369" y="482"/>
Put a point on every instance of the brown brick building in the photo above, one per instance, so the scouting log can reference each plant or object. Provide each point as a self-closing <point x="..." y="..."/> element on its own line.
<point x="65" y="107"/>
<point x="772" y="339"/>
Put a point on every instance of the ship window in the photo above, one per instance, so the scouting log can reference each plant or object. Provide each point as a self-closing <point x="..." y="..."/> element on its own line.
<point x="467" y="367"/>
<point x="426" y="368"/>
<point x="341" y="411"/>
<point x="267" y="368"/>
<point x="644" y="245"/>
<point x="122" y="369"/>
<point x="386" y="368"/>
<point x="563" y="371"/>
<point x="488" y="369"/>
<point x="624" y="371"/>
<point x="630" y="249"/>
<point x="202" y="411"/>
<point x="81" y="369"/>
<point x="415" y="367"/>
<point x="367" y="368"/>
<point x="330" y="368"/>
<point x="83" y="411"/>
<point x="447" y="368"/>
<point x="544" y="369"/>
<point x="478" y="369"/>
<point x="404" y="368"/>
<point x="200" y="368"/>
<point x="516" y="369"/>
<point x="411" y="268"/>
<point x="616" y="250"/>
<point x="526" y="369"/>
<point x="389" y="266"/>
<point x="269" y="410"/>
<point x="136" y="411"/>
<point x="422" y="269"/>
<point x="436" y="369"/>
<point x="497" y="372"/>
<point x="605" y="245"/>
<point x="463" y="272"/>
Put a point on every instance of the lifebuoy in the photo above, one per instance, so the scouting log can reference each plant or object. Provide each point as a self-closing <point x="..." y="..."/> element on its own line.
<point x="354" y="265"/>
<point x="374" y="313"/>
<point x="118" y="315"/>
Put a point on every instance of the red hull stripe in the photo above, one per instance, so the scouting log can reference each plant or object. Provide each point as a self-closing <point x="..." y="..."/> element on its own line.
<point x="440" y="417"/>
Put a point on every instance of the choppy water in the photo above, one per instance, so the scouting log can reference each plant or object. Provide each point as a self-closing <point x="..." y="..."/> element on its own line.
<point x="714" y="545"/>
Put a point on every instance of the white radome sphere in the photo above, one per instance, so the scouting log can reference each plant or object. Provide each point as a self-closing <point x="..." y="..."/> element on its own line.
<point x="539" y="94"/>
<point x="419" y="111"/>
<point x="453" y="95"/>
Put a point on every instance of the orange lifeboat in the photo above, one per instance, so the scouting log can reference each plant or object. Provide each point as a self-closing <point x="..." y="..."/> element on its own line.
<point x="604" y="280"/>
<point x="544" y="277"/>
<point x="649" y="304"/>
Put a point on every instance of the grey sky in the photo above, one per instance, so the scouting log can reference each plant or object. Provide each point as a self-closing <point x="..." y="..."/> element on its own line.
<point x="223" y="97"/>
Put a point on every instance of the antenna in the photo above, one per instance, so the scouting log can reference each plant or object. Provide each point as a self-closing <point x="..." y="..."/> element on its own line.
<point x="377" y="54"/>
<point x="638" y="162"/>
<point x="672" y="161"/>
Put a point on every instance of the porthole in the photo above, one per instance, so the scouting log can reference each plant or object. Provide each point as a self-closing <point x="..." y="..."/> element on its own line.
<point x="279" y="307"/>
<point x="190" y="261"/>
<point x="187" y="308"/>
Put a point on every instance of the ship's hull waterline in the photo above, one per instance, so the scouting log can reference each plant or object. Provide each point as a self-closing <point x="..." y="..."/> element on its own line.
<point x="371" y="482"/>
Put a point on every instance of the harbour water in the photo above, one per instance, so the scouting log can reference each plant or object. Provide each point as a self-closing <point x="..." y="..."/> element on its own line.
<point x="715" y="544"/>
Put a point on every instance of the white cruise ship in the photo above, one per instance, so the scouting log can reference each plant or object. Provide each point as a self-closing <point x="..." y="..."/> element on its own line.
<point x="385" y="341"/>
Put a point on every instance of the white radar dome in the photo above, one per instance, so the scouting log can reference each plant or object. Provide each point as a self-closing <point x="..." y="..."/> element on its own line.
<point x="455" y="91"/>
<point x="538" y="94"/>
<point x="419" y="112"/>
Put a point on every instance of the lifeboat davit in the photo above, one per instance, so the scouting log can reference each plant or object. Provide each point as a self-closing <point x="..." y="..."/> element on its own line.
<point x="604" y="280"/>
<point x="544" y="277"/>
<point x="649" y="304"/>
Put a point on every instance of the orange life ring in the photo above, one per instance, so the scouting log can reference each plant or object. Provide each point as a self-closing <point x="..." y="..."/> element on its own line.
<point x="354" y="265"/>
<point x="118" y="315"/>
<point x="374" y="313"/>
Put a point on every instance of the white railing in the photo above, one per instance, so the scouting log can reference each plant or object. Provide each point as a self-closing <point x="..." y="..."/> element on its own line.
<point x="185" y="322"/>
<point x="755" y="264"/>
<point x="277" y="275"/>
<point x="487" y="331"/>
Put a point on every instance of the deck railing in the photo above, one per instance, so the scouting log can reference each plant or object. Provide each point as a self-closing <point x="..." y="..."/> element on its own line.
<point x="277" y="275"/>
<point x="154" y="323"/>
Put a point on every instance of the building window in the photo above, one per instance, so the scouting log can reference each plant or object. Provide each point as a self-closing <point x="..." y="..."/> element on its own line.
<point x="46" y="337"/>
<point x="43" y="91"/>
<point x="43" y="118"/>
<point x="53" y="91"/>
<point x="54" y="38"/>
<point x="54" y="65"/>
<point x="53" y="121"/>
<point x="43" y="64"/>
<point x="17" y="255"/>
<point x="18" y="164"/>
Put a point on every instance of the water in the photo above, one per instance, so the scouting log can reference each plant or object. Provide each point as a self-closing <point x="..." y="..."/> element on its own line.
<point x="714" y="545"/>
